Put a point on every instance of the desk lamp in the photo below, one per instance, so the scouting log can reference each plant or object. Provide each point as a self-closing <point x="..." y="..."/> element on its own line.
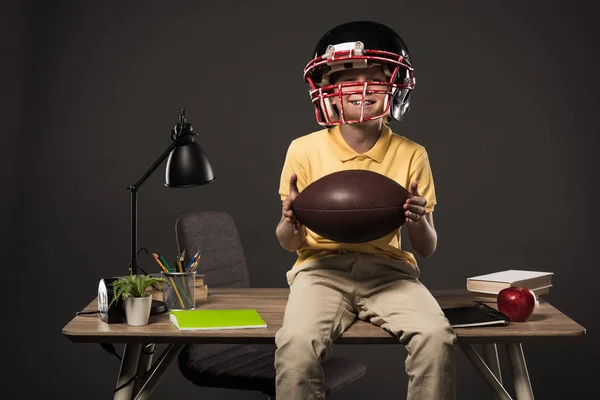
<point x="187" y="166"/>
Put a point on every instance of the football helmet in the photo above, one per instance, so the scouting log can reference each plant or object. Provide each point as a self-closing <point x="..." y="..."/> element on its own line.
<point x="359" y="44"/>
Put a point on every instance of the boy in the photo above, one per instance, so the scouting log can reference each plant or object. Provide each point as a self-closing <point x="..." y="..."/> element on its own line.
<point x="360" y="78"/>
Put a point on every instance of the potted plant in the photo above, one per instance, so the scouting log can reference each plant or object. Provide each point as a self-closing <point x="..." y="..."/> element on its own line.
<point x="136" y="301"/>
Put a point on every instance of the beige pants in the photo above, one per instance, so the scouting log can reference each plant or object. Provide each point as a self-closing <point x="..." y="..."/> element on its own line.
<point x="325" y="298"/>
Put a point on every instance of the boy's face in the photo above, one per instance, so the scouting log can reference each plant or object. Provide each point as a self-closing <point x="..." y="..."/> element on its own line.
<point x="352" y="103"/>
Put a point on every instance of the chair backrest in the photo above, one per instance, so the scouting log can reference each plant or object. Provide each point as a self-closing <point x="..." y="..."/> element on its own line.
<point x="215" y="234"/>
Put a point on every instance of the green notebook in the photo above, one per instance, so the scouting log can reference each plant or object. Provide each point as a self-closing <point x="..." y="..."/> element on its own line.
<point x="191" y="320"/>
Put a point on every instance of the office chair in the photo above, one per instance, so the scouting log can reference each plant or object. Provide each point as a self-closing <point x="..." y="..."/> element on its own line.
<point x="241" y="367"/>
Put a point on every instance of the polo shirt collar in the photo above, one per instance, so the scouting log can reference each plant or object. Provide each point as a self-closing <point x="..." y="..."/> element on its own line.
<point x="344" y="152"/>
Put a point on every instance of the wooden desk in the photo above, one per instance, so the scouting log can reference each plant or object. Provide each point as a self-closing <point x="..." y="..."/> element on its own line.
<point x="546" y="324"/>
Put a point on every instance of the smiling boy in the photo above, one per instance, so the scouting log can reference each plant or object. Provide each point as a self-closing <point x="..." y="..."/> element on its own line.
<point x="360" y="76"/>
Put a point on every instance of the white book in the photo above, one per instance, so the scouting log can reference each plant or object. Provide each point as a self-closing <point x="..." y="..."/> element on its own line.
<point x="492" y="283"/>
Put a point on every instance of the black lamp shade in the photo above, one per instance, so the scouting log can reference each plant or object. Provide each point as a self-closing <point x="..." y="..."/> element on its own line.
<point x="188" y="166"/>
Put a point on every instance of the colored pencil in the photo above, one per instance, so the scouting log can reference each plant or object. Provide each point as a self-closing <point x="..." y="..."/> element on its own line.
<point x="156" y="257"/>
<point x="159" y="263"/>
<point x="180" y="261"/>
<point x="193" y="260"/>
<point x="162" y="259"/>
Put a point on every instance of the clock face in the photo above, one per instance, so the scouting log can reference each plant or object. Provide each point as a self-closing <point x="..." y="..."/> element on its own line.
<point x="102" y="299"/>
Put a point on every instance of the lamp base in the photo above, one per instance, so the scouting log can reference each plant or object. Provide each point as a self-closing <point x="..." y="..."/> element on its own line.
<point x="158" y="307"/>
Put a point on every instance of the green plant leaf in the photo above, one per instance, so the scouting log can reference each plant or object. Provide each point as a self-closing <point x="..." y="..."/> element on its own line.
<point x="134" y="285"/>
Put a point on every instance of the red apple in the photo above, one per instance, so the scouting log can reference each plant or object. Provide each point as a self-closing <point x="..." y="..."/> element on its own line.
<point x="517" y="303"/>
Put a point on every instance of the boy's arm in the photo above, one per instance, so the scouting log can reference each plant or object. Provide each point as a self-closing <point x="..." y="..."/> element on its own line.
<point x="419" y="208"/>
<point x="422" y="235"/>
<point x="290" y="239"/>
<point x="290" y="233"/>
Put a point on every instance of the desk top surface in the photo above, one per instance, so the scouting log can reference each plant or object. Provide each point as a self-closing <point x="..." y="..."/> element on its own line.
<point x="546" y="322"/>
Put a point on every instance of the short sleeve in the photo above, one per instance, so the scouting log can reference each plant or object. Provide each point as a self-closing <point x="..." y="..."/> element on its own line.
<point x="420" y="171"/>
<point x="295" y="161"/>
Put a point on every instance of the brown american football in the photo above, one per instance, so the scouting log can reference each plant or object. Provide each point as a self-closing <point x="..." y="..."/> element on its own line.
<point x="352" y="206"/>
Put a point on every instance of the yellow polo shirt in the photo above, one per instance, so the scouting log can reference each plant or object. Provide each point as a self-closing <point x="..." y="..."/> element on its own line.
<point x="325" y="151"/>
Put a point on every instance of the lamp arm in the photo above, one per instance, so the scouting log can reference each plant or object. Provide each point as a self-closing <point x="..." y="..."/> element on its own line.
<point x="133" y="189"/>
<point x="153" y="167"/>
<point x="177" y="140"/>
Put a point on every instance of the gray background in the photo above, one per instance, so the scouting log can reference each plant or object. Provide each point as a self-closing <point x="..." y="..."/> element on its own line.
<point x="506" y="104"/>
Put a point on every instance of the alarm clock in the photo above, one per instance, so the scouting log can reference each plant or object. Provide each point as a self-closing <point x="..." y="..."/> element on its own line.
<point x="113" y="314"/>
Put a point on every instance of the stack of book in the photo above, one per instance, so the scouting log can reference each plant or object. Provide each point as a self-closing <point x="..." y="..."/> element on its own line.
<point x="201" y="287"/>
<point x="539" y="282"/>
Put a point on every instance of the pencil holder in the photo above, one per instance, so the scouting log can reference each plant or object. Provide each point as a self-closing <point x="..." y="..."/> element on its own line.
<point x="179" y="290"/>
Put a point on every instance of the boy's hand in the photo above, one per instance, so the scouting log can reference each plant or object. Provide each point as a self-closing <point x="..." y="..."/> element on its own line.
<point x="415" y="206"/>
<point x="288" y="204"/>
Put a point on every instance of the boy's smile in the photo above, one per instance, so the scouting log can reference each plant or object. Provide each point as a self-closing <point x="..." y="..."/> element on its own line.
<point x="359" y="102"/>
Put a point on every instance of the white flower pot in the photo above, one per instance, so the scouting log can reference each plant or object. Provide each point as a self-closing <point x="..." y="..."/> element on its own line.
<point x="137" y="310"/>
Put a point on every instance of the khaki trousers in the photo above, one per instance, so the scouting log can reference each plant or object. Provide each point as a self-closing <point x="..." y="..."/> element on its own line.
<point x="325" y="298"/>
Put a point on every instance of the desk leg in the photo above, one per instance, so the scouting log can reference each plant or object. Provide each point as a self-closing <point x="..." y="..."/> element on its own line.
<point x="144" y="364"/>
<point x="129" y="366"/>
<point x="490" y="356"/>
<point x="485" y="372"/>
<point x="153" y="376"/>
<point x="516" y="360"/>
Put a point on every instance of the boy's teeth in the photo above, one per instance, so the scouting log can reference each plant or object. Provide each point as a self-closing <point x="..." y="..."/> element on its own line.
<point x="359" y="102"/>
